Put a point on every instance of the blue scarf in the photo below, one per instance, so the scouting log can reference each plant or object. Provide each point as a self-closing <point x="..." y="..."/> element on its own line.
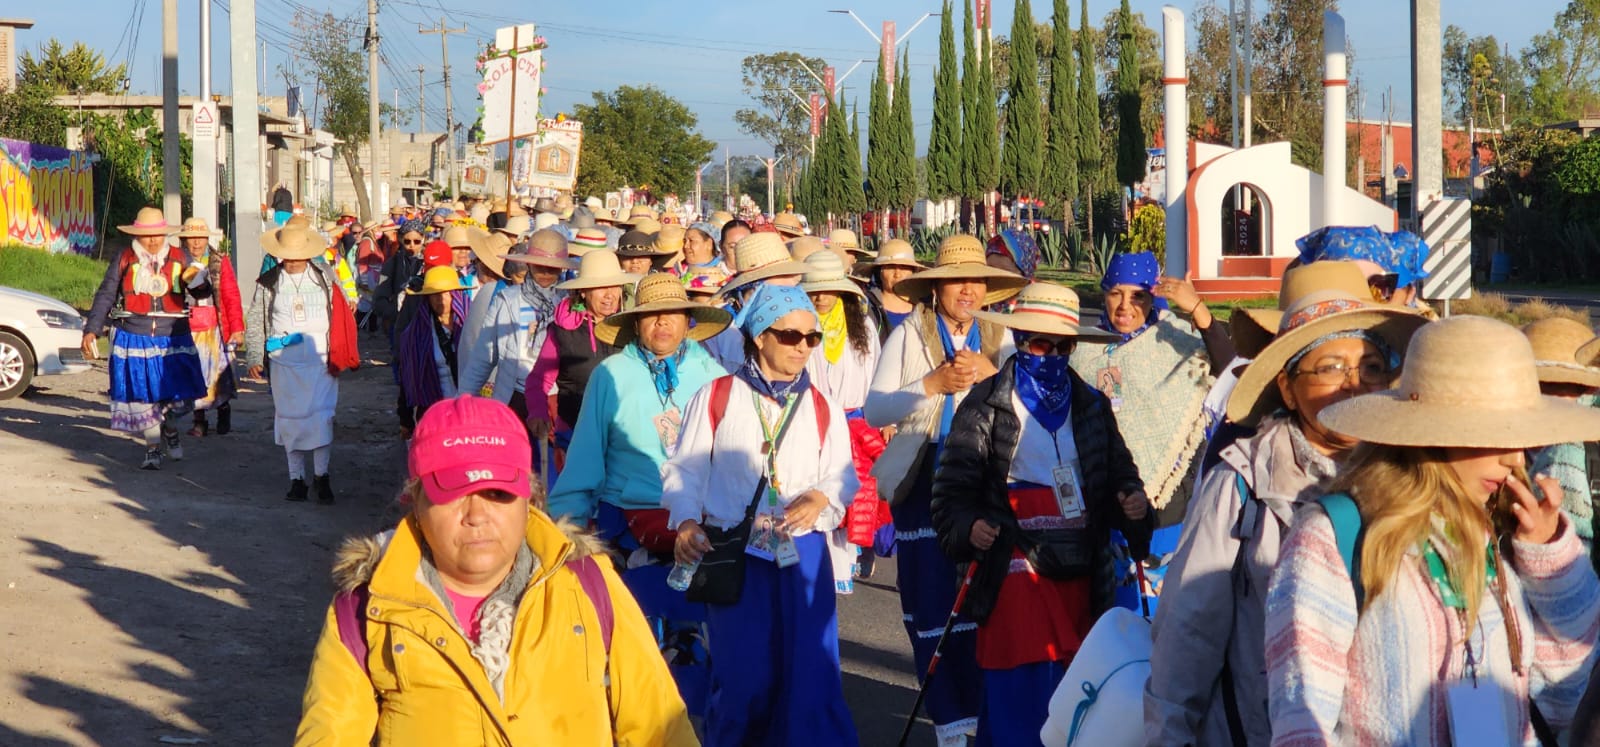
<point x="663" y="370"/>
<point x="777" y="391"/>
<point x="1045" y="388"/>
<point x="1149" y="321"/>
<point x="975" y="344"/>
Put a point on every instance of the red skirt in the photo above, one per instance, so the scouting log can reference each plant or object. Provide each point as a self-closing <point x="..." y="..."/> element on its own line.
<point x="1035" y="618"/>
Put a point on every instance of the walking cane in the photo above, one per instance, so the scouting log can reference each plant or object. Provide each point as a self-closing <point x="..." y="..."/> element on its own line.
<point x="544" y="464"/>
<point x="933" y="663"/>
<point x="1144" y="601"/>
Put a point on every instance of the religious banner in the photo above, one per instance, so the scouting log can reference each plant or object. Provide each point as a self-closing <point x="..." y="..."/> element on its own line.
<point x="512" y="68"/>
<point x="553" y="161"/>
<point x="46" y="197"/>
<point x="476" y="170"/>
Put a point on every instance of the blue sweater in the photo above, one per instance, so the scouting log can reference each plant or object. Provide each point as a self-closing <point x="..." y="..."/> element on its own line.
<point x="616" y="455"/>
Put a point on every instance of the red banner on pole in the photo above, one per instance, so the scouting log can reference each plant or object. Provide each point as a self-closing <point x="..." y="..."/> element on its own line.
<point x="816" y="116"/>
<point x="982" y="16"/>
<point x="827" y="88"/>
<point x="888" y="53"/>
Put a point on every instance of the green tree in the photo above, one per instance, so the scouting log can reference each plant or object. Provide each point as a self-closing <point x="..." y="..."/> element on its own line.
<point x="772" y="81"/>
<point x="1130" y="127"/>
<point x="986" y="152"/>
<point x="327" y="48"/>
<point x="970" y="77"/>
<point x="855" y="200"/>
<point x="638" y="135"/>
<point x="78" y="70"/>
<point x="1091" y="166"/>
<point x="30" y="113"/>
<point x="1061" y="147"/>
<point x="944" y="140"/>
<point x="881" y="141"/>
<point x="1564" y="64"/>
<point x="905" y="153"/>
<point x="1022" y="155"/>
<point x="1477" y="72"/>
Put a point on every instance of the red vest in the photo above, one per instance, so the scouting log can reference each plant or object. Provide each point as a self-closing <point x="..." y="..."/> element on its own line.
<point x="144" y="303"/>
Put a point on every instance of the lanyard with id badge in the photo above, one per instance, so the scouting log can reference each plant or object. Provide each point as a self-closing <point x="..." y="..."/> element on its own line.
<point x="768" y="539"/>
<point x="1477" y="706"/>
<point x="1064" y="484"/>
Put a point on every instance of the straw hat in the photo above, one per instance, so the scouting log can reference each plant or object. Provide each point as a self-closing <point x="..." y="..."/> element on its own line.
<point x="1252" y="329"/>
<point x="1310" y="318"/>
<point x="593" y="203"/>
<point x="721" y="218"/>
<point x="805" y="246"/>
<point x="545" y="248"/>
<point x="437" y="280"/>
<point x="897" y="253"/>
<point x="599" y="269"/>
<point x="544" y="205"/>
<point x="515" y="209"/>
<point x="604" y="215"/>
<point x="517" y="226"/>
<point x="703" y="284"/>
<point x="581" y="218"/>
<point x="1047" y="309"/>
<point x="149" y="221"/>
<point x="298" y="221"/>
<point x="760" y="256"/>
<point x="646" y="225"/>
<point x="479" y="212"/>
<point x="788" y="224"/>
<point x="458" y="235"/>
<point x="655" y="294"/>
<point x="844" y="239"/>
<point x="545" y="220"/>
<point x="196" y="228"/>
<point x="637" y="243"/>
<point x="1557" y="344"/>
<point x="346" y="210"/>
<point x="497" y="205"/>
<point x="635" y="213"/>
<point x="827" y="272"/>
<point x="670" y="239"/>
<point x="488" y="247"/>
<point x="290" y="243"/>
<point x="1471" y="382"/>
<point x="587" y="240"/>
<point x="564" y="203"/>
<point x="961" y="257"/>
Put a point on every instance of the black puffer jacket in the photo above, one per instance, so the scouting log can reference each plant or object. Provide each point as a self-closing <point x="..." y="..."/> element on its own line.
<point x="971" y="484"/>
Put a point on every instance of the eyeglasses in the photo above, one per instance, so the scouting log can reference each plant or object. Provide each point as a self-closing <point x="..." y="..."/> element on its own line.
<point x="1336" y="373"/>
<point x="1383" y="286"/>
<point x="1049" y="345"/>
<point x="793" y="337"/>
<point x="411" y="241"/>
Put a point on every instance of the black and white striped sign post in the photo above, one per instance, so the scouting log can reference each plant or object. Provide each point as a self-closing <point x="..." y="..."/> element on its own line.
<point x="1447" y="229"/>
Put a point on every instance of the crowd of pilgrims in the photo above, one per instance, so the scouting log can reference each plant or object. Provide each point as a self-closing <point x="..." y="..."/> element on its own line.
<point x="1349" y="521"/>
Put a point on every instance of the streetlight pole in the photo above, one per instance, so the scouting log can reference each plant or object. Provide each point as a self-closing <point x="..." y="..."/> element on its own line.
<point x="886" y="41"/>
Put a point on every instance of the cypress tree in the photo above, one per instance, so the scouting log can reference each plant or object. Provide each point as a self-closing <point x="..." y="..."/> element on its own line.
<point x="987" y="153"/>
<point x="1090" y="155"/>
<point x="1061" y="148"/>
<point x="969" y="108"/>
<point x="944" y="141"/>
<point x="881" y="143"/>
<point x="1130" y="127"/>
<point x="905" y="166"/>
<point x="1022" y="154"/>
<point x="855" y="200"/>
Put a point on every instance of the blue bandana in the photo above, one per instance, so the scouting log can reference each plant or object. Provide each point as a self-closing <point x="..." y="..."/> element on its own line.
<point x="709" y="230"/>
<point x="1045" y="388"/>
<point x="770" y="303"/>
<point x="414" y="226"/>
<point x="1138" y="268"/>
<point x="1020" y="247"/>
<point x="663" y="370"/>
<point x="1402" y="253"/>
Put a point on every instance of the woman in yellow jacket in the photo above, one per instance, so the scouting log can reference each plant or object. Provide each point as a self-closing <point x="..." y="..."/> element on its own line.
<point x="479" y="621"/>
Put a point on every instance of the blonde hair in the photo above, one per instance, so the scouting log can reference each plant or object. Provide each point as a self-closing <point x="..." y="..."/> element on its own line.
<point x="1398" y="490"/>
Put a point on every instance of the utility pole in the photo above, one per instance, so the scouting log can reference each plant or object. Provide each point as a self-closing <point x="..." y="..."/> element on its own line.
<point x="449" y="107"/>
<point x="171" y="179"/>
<point x="205" y="147"/>
<point x="1427" y="107"/>
<point x="422" y="101"/>
<point x="246" y="144"/>
<point x="372" y="108"/>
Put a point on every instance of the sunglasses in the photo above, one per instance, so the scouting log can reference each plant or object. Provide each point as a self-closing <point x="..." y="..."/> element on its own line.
<point x="793" y="337"/>
<point x="1048" y="346"/>
<point x="1383" y="286"/>
<point x="411" y="241"/>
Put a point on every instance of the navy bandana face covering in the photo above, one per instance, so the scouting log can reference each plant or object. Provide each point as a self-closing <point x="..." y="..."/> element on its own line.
<point x="1045" y="387"/>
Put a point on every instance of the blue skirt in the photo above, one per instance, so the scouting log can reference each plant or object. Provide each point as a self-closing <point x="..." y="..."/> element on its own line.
<point x="154" y="369"/>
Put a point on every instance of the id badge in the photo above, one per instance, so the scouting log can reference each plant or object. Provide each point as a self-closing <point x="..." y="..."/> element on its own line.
<point x="1477" y="714"/>
<point x="1109" y="382"/>
<point x="668" y="425"/>
<point x="1069" y="495"/>
<point x="787" y="554"/>
<point x="763" y="538"/>
<point x="299" y="312"/>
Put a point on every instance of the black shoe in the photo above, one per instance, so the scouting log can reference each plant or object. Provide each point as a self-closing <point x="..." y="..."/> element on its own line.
<point x="152" y="459"/>
<point x="297" y="491"/>
<point x="324" y="490"/>
<point x="224" y="420"/>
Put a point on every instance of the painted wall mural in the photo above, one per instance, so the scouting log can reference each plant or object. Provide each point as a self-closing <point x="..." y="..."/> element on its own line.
<point x="46" y="197"/>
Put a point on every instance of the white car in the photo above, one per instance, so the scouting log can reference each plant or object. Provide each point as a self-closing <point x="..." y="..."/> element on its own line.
<point x="39" y="336"/>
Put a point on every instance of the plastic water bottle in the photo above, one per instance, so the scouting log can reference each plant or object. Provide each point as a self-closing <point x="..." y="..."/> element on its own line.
<point x="682" y="573"/>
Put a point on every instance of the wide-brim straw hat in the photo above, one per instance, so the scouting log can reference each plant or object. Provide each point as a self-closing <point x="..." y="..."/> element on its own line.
<point x="457" y="235"/>
<point x="761" y="256"/>
<point x="670" y="238"/>
<point x="788" y="223"/>
<point x="544" y="205"/>
<point x="646" y="225"/>
<point x="442" y="279"/>
<point x="488" y="247"/>
<point x="845" y="240"/>
<point x="805" y="246"/>
<point x="293" y="243"/>
<point x="636" y="214"/>
<point x="1469" y="382"/>
<point x="599" y="269"/>
<point x="897" y="253"/>
<point x="961" y="257"/>
<point x="517" y="226"/>
<point x="1047" y="309"/>
<point x="1311" y="318"/>
<point x="545" y="248"/>
<point x="196" y="228"/>
<point x="656" y="294"/>
<point x="720" y="218"/>
<point x="586" y="240"/>
<point x="638" y="243"/>
<point x="826" y="272"/>
<point x="1556" y="344"/>
<point x="1252" y="329"/>
<point x="604" y="215"/>
<point x="149" y="221"/>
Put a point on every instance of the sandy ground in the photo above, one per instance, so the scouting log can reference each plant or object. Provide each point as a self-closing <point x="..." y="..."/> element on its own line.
<point x="163" y="607"/>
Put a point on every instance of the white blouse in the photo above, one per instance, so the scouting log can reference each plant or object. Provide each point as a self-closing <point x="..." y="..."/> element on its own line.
<point x="847" y="382"/>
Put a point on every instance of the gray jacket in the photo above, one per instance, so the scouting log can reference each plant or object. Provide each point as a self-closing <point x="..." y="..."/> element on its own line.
<point x="1209" y="614"/>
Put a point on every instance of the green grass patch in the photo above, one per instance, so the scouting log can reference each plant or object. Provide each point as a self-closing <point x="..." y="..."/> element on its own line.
<point x="67" y="277"/>
<point x="1087" y="286"/>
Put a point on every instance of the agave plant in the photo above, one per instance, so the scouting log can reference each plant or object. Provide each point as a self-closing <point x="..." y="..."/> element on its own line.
<point x="1101" y="255"/>
<point x="1055" y="250"/>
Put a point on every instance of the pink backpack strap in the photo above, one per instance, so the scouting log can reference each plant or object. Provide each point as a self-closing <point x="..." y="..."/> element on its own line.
<point x="350" y="612"/>
<point x="594" y="587"/>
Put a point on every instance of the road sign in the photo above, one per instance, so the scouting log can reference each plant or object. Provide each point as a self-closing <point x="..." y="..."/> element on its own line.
<point x="205" y="120"/>
<point x="1447" y="229"/>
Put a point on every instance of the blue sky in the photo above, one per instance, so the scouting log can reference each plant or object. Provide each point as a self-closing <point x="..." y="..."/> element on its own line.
<point x="690" y="50"/>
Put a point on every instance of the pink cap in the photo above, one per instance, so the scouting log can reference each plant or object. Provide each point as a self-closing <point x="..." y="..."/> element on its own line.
<point x="470" y="444"/>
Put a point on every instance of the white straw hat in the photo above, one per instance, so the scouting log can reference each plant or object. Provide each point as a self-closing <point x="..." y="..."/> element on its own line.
<point x="825" y="272"/>
<point x="1047" y="309"/>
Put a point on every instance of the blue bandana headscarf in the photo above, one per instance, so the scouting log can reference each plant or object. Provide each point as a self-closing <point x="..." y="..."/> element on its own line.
<point x="766" y="306"/>
<point x="1019" y="247"/>
<point x="1044" y="385"/>
<point x="414" y="226"/>
<point x="1402" y="253"/>
<point x="709" y="230"/>
<point x="1137" y="268"/>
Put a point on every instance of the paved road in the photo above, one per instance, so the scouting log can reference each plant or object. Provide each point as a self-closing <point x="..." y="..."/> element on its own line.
<point x="878" y="679"/>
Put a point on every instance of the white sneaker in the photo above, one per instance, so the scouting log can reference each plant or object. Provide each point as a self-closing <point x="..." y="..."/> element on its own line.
<point x="152" y="460"/>
<point x="174" y="447"/>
